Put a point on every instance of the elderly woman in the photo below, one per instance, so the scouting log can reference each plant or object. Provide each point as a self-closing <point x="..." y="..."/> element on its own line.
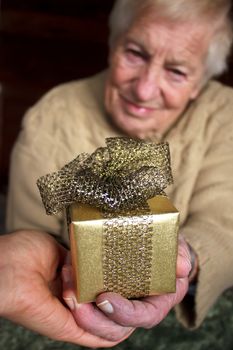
<point x="163" y="54"/>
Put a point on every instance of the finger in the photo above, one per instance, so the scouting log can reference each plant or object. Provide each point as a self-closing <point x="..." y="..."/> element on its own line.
<point x="88" y="316"/>
<point x="146" y="312"/>
<point x="95" y="322"/>
<point x="67" y="278"/>
<point x="45" y="314"/>
<point x="67" y="330"/>
<point x="68" y="258"/>
<point x="64" y="253"/>
<point x="54" y="280"/>
<point x="32" y="304"/>
<point x="183" y="266"/>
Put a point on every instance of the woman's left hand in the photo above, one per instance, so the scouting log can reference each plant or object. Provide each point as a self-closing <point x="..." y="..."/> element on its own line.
<point x="113" y="317"/>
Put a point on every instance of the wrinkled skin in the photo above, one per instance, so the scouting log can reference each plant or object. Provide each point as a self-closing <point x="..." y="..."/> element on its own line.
<point x="126" y="315"/>
<point x="30" y="294"/>
<point x="156" y="68"/>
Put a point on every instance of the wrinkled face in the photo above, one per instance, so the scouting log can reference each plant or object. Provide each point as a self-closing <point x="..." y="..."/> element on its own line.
<point x="156" y="68"/>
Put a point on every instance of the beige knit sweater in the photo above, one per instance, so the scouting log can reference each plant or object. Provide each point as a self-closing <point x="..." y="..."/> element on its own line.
<point x="71" y="119"/>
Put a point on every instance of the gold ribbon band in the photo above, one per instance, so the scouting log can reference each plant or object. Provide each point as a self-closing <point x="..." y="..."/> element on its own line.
<point x="127" y="254"/>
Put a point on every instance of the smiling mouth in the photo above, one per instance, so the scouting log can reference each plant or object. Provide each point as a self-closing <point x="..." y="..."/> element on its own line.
<point x="135" y="109"/>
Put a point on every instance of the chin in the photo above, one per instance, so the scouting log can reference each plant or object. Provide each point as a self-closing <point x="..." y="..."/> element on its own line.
<point x="135" y="131"/>
<point x="143" y="135"/>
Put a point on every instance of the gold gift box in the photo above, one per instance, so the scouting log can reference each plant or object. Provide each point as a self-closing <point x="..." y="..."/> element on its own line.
<point x="86" y="238"/>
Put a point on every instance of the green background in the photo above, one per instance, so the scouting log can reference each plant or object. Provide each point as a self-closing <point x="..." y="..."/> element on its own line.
<point x="216" y="333"/>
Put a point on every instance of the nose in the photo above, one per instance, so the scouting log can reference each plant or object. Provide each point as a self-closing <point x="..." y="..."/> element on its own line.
<point x="147" y="85"/>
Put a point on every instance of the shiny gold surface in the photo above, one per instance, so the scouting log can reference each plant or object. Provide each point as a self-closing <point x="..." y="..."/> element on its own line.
<point x="113" y="249"/>
<point x="86" y="252"/>
<point x="86" y="233"/>
<point x="120" y="176"/>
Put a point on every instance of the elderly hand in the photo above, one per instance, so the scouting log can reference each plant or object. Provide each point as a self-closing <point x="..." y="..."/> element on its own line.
<point x="115" y="318"/>
<point x="30" y="288"/>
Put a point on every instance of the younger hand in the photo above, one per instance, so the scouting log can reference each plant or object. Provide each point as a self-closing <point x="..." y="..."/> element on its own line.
<point x="30" y="288"/>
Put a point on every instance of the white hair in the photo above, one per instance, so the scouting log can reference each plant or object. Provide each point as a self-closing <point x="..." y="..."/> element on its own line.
<point x="213" y="12"/>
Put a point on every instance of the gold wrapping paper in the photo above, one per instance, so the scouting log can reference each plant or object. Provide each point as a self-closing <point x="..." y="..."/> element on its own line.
<point x="127" y="244"/>
<point x="87" y="239"/>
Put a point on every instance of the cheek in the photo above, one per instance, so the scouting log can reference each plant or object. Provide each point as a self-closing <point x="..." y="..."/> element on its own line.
<point x="119" y="76"/>
<point x="177" y="97"/>
<point x="111" y="93"/>
<point x="120" y="72"/>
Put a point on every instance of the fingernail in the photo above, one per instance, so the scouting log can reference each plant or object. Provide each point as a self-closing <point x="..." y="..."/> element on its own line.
<point x="71" y="303"/>
<point x="106" y="307"/>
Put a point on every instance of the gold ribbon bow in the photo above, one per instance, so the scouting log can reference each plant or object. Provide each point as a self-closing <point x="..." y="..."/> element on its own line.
<point x="122" y="175"/>
<point x="116" y="178"/>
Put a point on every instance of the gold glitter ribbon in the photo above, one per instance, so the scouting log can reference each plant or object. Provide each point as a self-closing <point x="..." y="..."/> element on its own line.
<point x="118" y="179"/>
<point x="122" y="175"/>
<point x="127" y="254"/>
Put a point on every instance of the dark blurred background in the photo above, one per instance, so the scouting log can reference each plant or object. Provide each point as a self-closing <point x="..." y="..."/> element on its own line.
<point x="44" y="43"/>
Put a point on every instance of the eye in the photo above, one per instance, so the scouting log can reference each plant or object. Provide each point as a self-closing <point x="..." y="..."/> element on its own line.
<point x="176" y="74"/>
<point x="134" y="56"/>
<point x="134" y="52"/>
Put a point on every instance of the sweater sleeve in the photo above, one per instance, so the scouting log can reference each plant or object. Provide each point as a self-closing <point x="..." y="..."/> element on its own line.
<point x="54" y="131"/>
<point x="34" y="155"/>
<point x="209" y="226"/>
